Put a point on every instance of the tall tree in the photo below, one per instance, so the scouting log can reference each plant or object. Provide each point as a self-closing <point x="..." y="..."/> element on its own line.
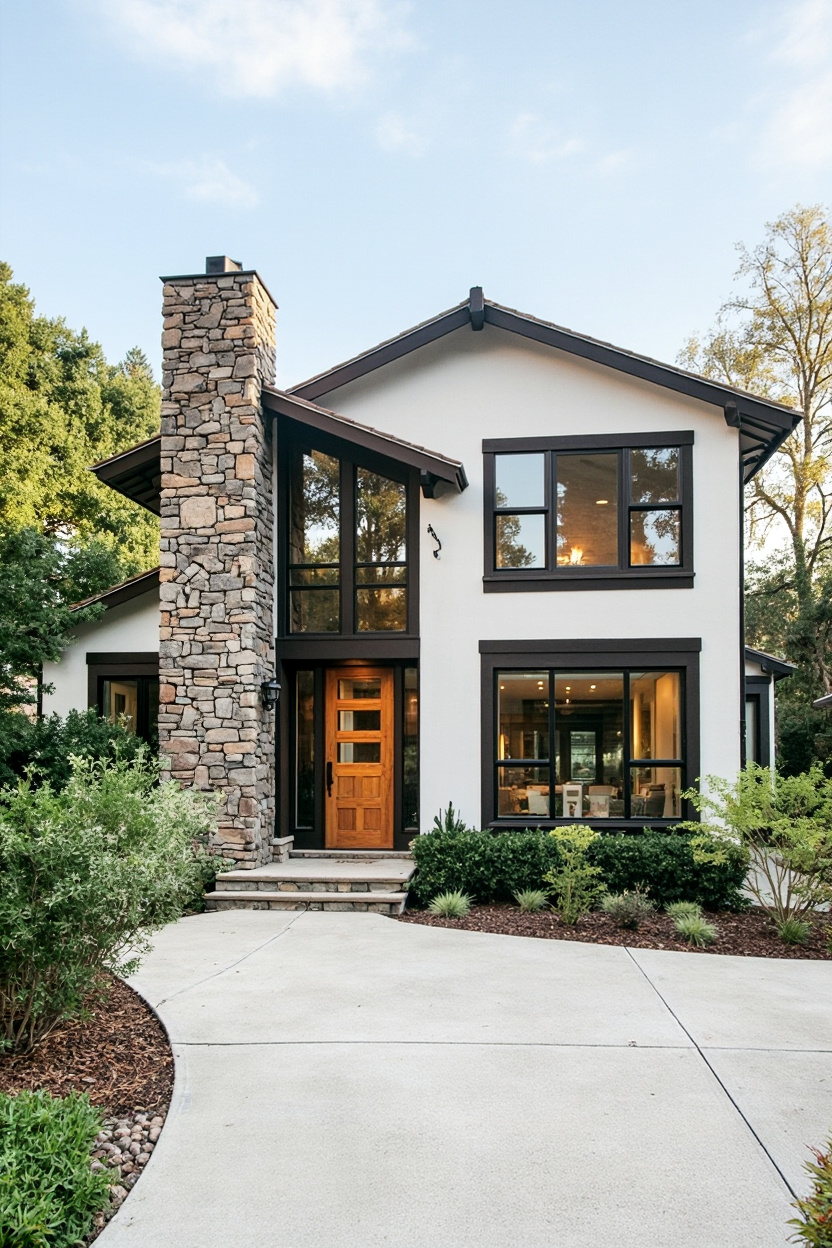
<point x="775" y="338"/>
<point x="62" y="408"/>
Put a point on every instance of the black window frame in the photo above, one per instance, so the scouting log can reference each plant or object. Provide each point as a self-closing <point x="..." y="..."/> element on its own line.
<point x="143" y="667"/>
<point x="293" y="437"/>
<point x="757" y="690"/>
<point x="642" y="654"/>
<point x="624" y="575"/>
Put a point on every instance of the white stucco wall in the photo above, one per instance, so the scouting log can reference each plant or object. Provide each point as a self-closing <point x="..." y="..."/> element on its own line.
<point x="470" y="386"/>
<point x="130" y="627"/>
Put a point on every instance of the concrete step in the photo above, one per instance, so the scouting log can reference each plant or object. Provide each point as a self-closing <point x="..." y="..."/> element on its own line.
<point x="351" y="855"/>
<point x="256" y="899"/>
<point x="325" y="882"/>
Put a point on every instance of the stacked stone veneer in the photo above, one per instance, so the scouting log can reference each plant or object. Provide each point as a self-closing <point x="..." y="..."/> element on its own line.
<point x="217" y="557"/>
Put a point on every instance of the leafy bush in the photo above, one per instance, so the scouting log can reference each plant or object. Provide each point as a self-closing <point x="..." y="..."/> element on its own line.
<point x="783" y="824"/>
<point x="48" y="745"/>
<point x="531" y="900"/>
<point x="488" y="866"/>
<point x="576" y="882"/>
<point x="87" y="874"/>
<point x="48" y="1193"/>
<point x="793" y="932"/>
<point x="451" y="905"/>
<point x="695" y="929"/>
<point x="665" y="863"/>
<point x="814" y="1226"/>
<point x="628" y="909"/>
<point x="684" y="910"/>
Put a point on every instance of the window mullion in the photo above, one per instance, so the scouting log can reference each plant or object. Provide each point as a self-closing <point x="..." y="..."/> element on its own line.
<point x="552" y="502"/>
<point x="624" y="511"/>
<point x="627" y="747"/>
<point x="347" y="546"/>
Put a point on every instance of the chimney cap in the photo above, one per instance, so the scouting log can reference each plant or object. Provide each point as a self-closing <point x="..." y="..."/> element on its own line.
<point x="222" y="264"/>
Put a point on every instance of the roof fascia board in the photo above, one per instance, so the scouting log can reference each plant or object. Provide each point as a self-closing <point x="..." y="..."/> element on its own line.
<point x="385" y="353"/>
<point x="127" y="590"/>
<point x="370" y="439"/>
<point x="770" y="663"/>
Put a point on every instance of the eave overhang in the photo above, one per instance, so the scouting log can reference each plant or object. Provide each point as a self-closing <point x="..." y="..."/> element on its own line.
<point x="436" y="471"/>
<point x="770" y="664"/>
<point x="136" y="474"/>
<point x="134" y="587"/>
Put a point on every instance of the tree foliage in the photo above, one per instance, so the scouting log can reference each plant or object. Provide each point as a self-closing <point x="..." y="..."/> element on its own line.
<point x="63" y="408"/>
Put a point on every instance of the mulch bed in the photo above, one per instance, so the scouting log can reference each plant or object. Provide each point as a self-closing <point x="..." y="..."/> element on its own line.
<point x="747" y="935"/>
<point x="119" y="1055"/>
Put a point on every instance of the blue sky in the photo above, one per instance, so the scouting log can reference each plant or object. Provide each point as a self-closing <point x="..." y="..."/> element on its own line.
<point x="592" y="163"/>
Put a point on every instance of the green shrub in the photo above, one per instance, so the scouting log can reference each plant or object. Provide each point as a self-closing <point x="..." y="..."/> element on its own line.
<point x="86" y="874"/>
<point x="814" y="1226"/>
<point x="488" y="866"/>
<point x="783" y="825"/>
<point x="531" y="900"/>
<point x="628" y="909"/>
<point x="695" y="930"/>
<point x="576" y="883"/>
<point x="451" y="905"/>
<point x="48" y="745"/>
<point x="48" y="1193"/>
<point x="665" y="864"/>
<point x="684" y="910"/>
<point x="794" y="932"/>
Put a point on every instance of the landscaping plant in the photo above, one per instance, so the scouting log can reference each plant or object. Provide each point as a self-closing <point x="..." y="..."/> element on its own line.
<point x="814" y="1226"/>
<point x="449" y="821"/>
<point x="576" y="883"/>
<point x="451" y="905"/>
<point x="47" y="746"/>
<point x="48" y="1193"/>
<point x="794" y="932"/>
<point x="684" y="910"/>
<point x="665" y="862"/>
<point x="696" y="930"/>
<point x="488" y="866"/>
<point x="783" y="824"/>
<point x="86" y="875"/>
<point x="628" y="909"/>
<point x="531" y="900"/>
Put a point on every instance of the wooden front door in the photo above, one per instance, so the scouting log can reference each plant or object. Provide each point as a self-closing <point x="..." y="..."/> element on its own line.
<point x="359" y="758"/>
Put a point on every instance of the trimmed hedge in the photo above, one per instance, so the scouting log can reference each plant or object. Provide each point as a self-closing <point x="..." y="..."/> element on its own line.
<point x="492" y="866"/>
<point x="663" y="863"/>
<point x="48" y="1193"/>
<point x="488" y="866"/>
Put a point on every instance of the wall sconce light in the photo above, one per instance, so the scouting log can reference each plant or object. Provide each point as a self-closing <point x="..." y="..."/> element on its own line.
<point x="432" y="534"/>
<point x="270" y="693"/>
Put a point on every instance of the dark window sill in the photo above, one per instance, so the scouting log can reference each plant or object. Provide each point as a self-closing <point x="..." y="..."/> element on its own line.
<point x="598" y="825"/>
<point x="516" y="583"/>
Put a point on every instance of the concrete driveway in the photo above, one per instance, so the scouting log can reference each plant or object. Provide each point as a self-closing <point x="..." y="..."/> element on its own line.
<point x="346" y="1080"/>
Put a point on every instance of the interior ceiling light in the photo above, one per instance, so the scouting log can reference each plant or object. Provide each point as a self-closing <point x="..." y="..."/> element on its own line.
<point x="592" y="686"/>
<point x="601" y="502"/>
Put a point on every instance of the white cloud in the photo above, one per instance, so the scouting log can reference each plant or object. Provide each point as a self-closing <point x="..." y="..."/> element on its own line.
<point x="539" y="141"/>
<point x="208" y="180"/>
<point x="394" y="135"/>
<point x="614" y="161"/>
<point x="798" y="126"/>
<point x="258" y="47"/>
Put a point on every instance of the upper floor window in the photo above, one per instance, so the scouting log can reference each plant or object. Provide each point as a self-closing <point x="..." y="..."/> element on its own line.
<point x="589" y="512"/>
<point x="347" y="546"/>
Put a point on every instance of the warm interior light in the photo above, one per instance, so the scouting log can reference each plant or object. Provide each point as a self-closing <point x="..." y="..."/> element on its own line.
<point x="568" y="688"/>
<point x="592" y="686"/>
<point x="576" y="554"/>
<point x="601" y="502"/>
<point x="567" y="701"/>
<point x="502" y="686"/>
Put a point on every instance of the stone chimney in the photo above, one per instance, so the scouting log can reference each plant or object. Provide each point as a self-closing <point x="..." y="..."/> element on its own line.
<point x="217" y="557"/>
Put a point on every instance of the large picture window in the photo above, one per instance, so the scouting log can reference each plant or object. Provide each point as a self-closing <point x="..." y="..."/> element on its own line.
<point x="349" y="533"/>
<point x="587" y="739"/>
<point x="589" y="512"/>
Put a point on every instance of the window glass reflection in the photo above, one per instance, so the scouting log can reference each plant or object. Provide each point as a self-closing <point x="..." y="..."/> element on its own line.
<point x="587" y="493"/>
<point x="655" y="538"/>
<point x="305" y="750"/>
<point x="655" y="792"/>
<point x="655" y="715"/>
<point x="654" y="475"/>
<point x="519" y="480"/>
<point x="410" y="778"/>
<point x="523" y="716"/>
<point x="381" y="519"/>
<point x="589" y="740"/>
<point x="521" y="541"/>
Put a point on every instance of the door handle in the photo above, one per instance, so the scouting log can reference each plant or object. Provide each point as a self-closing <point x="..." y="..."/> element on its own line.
<point x="329" y="779"/>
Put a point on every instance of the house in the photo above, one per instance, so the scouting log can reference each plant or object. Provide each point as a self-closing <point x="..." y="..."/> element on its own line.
<point x="490" y="561"/>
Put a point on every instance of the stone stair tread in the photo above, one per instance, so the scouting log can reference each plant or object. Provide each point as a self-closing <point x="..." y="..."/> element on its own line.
<point x="278" y="895"/>
<point x="351" y="855"/>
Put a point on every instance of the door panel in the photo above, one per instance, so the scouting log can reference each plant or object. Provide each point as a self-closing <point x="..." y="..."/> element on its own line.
<point x="359" y="754"/>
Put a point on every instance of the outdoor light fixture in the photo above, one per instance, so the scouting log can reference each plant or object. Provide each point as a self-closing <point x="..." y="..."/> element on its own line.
<point x="269" y="693"/>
